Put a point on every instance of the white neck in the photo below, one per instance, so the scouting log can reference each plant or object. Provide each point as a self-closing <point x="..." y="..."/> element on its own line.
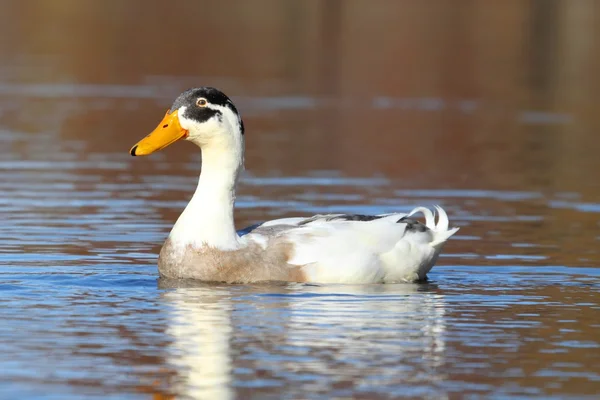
<point x="208" y="218"/>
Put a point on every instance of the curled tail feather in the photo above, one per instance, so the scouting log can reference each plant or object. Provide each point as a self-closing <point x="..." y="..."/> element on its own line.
<point x="440" y="230"/>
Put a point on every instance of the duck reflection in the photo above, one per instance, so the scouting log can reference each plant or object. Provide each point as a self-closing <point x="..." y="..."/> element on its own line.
<point x="376" y="334"/>
<point x="200" y="330"/>
<point x="363" y="336"/>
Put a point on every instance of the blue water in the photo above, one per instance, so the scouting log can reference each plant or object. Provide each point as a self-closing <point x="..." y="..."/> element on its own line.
<point x="509" y="311"/>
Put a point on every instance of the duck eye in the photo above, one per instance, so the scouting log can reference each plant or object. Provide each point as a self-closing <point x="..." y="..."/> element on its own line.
<point x="201" y="102"/>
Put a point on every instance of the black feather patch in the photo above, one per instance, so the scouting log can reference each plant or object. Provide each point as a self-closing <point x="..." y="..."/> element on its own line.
<point x="248" y="229"/>
<point x="355" y="217"/>
<point x="202" y="114"/>
<point x="340" y="217"/>
<point x="413" y="224"/>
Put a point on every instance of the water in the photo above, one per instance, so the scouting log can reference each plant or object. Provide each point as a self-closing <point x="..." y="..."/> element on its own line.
<point x="504" y="139"/>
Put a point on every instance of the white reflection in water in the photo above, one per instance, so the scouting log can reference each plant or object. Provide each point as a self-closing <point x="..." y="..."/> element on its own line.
<point x="365" y="335"/>
<point x="201" y="332"/>
<point x="376" y="328"/>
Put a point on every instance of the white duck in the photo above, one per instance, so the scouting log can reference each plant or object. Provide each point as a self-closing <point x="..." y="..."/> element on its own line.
<point x="335" y="248"/>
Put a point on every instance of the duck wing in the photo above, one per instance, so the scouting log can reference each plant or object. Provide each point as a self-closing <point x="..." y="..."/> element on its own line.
<point x="353" y="248"/>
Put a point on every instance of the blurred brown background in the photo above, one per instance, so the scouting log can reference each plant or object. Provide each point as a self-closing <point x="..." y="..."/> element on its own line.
<point x="468" y="93"/>
<point x="487" y="107"/>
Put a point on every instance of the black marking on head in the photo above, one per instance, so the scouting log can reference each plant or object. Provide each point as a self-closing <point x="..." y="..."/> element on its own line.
<point x="203" y="114"/>
<point x="212" y="95"/>
<point x="413" y="224"/>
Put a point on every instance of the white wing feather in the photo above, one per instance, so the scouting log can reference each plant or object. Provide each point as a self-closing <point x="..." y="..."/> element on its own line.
<point x="382" y="250"/>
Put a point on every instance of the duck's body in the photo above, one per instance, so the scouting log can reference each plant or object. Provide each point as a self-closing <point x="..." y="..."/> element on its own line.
<point x="325" y="249"/>
<point x="204" y="244"/>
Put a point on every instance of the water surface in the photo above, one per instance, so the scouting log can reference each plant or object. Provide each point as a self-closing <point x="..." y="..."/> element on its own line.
<point x="500" y="135"/>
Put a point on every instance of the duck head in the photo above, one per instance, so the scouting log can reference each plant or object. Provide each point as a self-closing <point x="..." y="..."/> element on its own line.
<point x="204" y="116"/>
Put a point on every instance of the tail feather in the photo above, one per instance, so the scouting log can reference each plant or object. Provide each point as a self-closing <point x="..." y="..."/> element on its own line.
<point x="440" y="230"/>
<point x="440" y="237"/>
<point x="442" y="224"/>
<point x="429" y="216"/>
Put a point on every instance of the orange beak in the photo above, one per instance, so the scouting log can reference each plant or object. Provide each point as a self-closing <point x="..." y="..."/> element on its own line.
<point x="167" y="132"/>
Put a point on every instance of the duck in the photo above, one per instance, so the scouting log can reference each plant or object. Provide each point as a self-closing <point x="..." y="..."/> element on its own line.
<point x="204" y="244"/>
